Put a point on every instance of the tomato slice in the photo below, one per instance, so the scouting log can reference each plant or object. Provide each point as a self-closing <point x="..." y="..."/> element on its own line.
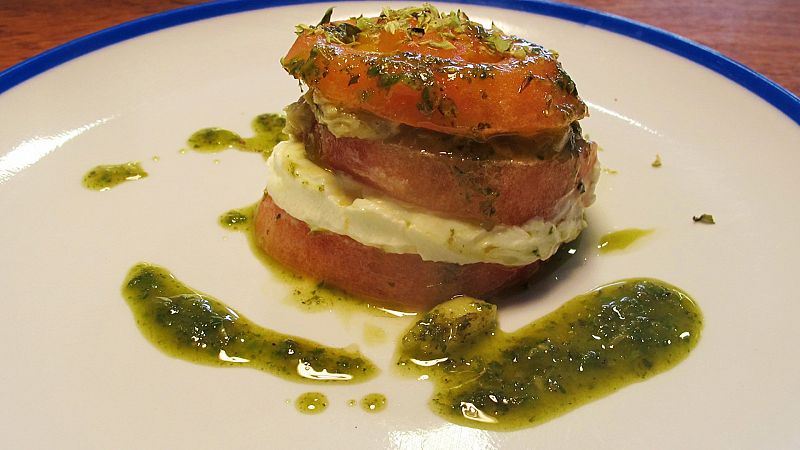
<point x="489" y="183"/>
<point x="437" y="71"/>
<point x="388" y="278"/>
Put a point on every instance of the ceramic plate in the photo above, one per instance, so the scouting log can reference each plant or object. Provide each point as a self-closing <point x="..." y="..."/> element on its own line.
<point x="78" y="373"/>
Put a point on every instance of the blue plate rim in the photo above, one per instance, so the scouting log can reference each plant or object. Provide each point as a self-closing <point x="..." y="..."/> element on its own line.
<point x="758" y="84"/>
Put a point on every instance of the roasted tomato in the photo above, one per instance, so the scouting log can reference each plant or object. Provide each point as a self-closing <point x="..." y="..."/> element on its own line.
<point x="442" y="72"/>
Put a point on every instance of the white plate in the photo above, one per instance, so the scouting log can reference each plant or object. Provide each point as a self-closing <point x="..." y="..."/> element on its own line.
<point x="77" y="373"/>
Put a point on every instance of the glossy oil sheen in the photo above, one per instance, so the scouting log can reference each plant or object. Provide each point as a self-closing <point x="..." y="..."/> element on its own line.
<point x="192" y="326"/>
<point x="591" y="346"/>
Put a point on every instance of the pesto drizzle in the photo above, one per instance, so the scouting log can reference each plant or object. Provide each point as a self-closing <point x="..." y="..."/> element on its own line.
<point x="105" y="177"/>
<point x="192" y="326"/>
<point x="238" y="219"/>
<point x="591" y="346"/>
<point x="268" y="129"/>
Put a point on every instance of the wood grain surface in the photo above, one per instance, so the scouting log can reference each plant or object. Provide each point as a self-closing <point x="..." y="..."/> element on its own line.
<point x="761" y="34"/>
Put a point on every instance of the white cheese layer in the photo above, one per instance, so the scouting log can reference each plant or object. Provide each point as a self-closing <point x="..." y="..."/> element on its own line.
<point x="343" y="206"/>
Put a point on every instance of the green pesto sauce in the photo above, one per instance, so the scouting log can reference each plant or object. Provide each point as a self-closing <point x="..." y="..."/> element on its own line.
<point x="591" y="346"/>
<point x="620" y="240"/>
<point x="238" y="219"/>
<point x="306" y="293"/>
<point x="190" y="325"/>
<point x="268" y="129"/>
<point x="103" y="178"/>
<point x="373" y="403"/>
<point x="311" y="403"/>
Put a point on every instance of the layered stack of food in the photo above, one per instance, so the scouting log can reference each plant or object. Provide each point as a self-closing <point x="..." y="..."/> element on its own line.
<point x="430" y="157"/>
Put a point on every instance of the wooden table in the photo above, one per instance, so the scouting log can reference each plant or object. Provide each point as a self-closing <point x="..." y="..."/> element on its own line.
<point x="764" y="35"/>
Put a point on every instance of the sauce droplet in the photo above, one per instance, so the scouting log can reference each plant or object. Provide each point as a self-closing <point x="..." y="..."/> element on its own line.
<point x="311" y="403"/>
<point x="373" y="403"/>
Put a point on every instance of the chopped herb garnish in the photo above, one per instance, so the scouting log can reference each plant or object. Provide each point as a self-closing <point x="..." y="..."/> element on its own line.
<point x="426" y="101"/>
<point x="363" y="23"/>
<point x="345" y="33"/>
<point x="525" y="82"/>
<point x="416" y="31"/>
<point x="421" y="21"/>
<point x="326" y="18"/>
<point x="500" y="43"/>
<point x="704" y="218"/>
<point x="445" y="45"/>
<point x="657" y="162"/>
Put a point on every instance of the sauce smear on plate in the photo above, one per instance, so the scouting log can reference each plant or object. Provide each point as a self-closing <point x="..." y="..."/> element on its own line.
<point x="190" y="325"/>
<point x="591" y="346"/>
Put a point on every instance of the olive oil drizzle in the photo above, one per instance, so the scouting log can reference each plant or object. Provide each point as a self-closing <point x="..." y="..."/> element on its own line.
<point x="620" y="240"/>
<point x="591" y="346"/>
<point x="192" y="326"/>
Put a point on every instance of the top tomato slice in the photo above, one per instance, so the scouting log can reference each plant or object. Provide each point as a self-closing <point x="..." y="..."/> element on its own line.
<point x="437" y="71"/>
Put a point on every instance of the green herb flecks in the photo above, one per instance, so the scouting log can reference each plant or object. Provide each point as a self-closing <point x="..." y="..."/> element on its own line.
<point x="591" y="346"/>
<point x="426" y="103"/>
<point x="418" y="22"/>
<point x="187" y="324"/>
